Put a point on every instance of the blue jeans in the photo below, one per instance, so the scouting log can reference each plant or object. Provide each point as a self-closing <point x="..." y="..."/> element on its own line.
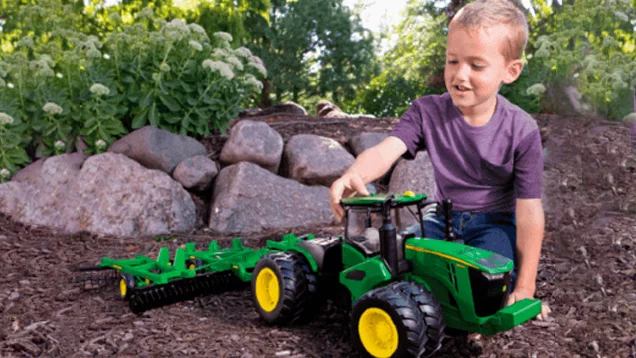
<point x="495" y="232"/>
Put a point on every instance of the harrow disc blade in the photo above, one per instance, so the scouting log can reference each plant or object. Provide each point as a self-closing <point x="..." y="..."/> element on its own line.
<point x="145" y="298"/>
<point x="88" y="278"/>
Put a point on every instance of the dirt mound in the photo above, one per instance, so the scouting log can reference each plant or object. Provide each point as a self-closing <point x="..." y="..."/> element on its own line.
<point x="587" y="273"/>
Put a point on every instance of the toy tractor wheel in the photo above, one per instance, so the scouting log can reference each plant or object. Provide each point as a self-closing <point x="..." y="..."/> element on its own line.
<point x="280" y="287"/>
<point x="194" y="264"/>
<point x="126" y="284"/>
<point x="388" y="322"/>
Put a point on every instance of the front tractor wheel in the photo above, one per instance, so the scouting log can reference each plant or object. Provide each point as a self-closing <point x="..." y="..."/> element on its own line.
<point x="280" y="287"/>
<point x="389" y="322"/>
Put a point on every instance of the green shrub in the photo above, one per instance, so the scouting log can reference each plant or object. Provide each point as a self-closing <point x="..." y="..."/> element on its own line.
<point x="63" y="84"/>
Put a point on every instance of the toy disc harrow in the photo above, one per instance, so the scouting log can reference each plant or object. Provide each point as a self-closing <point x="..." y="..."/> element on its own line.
<point x="147" y="283"/>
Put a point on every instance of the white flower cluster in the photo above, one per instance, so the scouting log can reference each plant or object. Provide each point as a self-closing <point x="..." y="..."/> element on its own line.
<point x="196" y="45"/>
<point x="4" y="173"/>
<point x="52" y="108"/>
<point x="621" y="16"/>
<point x="220" y="53"/>
<point x="196" y="28"/>
<point x="99" y="89"/>
<point x="146" y="13"/>
<point x="223" y="36"/>
<point x="5" y="119"/>
<point x="59" y="145"/>
<point x="176" y="30"/>
<point x="251" y="81"/>
<point x="26" y="42"/>
<point x="100" y="144"/>
<point x="164" y="67"/>
<point x="217" y="66"/>
<point x="235" y="62"/>
<point x="243" y="52"/>
<point x="536" y="89"/>
<point x="43" y="66"/>
<point x="259" y="67"/>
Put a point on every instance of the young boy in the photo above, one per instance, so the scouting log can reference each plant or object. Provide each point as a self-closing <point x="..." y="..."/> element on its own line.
<point x="486" y="152"/>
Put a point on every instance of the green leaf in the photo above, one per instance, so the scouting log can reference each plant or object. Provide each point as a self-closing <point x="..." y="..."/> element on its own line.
<point x="139" y="120"/>
<point x="153" y="115"/>
<point x="170" y="102"/>
<point x="147" y="100"/>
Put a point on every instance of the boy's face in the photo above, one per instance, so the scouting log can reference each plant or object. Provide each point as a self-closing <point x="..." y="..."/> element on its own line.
<point x="475" y="67"/>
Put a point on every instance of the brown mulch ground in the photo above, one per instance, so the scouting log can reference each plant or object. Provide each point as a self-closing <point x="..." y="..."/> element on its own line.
<point x="587" y="273"/>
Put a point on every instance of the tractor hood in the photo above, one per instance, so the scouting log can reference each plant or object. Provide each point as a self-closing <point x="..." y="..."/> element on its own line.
<point x="482" y="260"/>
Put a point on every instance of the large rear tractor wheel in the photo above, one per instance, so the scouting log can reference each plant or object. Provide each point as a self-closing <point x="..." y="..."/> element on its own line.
<point x="281" y="287"/>
<point x="397" y="321"/>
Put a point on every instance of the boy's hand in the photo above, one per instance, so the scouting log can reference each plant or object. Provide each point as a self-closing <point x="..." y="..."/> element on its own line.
<point x="521" y="294"/>
<point x="346" y="186"/>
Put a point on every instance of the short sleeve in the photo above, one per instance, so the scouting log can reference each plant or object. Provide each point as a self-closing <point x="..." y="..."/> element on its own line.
<point x="528" y="171"/>
<point x="409" y="130"/>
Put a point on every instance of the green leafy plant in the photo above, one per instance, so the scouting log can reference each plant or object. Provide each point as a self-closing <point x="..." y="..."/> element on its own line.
<point x="60" y="83"/>
<point x="12" y="155"/>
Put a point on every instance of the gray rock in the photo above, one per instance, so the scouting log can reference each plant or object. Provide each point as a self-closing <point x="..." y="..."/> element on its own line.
<point x="120" y="197"/>
<point x="315" y="160"/>
<point x="156" y="148"/>
<point x="255" y="142"/>
<point x="248" y="199"/>
<point x="284" y="107"/>
<point x="49" y="199"/>
<point x="196" y="172"/>
<point x="415" y="175"/>
<point x="329" y="110"/>
<point x="363" y="141"/>
<point x="30" y="173"/>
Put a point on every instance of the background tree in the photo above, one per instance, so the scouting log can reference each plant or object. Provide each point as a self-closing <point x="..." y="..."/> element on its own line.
<point x="312" y="48"/>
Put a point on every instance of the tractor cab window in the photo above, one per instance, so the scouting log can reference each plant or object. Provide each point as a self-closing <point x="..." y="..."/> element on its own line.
<point x="363" y="228"/>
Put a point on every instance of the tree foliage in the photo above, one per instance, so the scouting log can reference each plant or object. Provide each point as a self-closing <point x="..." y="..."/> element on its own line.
<point x="591" y="44"/>
<point x="311" y="48"/>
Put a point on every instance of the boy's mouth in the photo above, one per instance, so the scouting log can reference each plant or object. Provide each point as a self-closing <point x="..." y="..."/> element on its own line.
<point x="462" y="88"/>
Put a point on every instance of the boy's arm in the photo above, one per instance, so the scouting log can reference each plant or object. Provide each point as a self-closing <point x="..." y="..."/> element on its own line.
<point x="530" y="230"/>
<point x="368" y="166"/>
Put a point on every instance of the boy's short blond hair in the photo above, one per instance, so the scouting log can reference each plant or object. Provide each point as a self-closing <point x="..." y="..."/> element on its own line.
<point x="488" y="13"/>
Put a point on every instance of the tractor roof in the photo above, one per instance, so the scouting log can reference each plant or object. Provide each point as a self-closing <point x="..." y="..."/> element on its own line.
<point x="407" y="198"/>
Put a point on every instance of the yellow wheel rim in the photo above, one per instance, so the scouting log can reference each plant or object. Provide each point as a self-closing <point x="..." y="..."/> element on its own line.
<point x="122" y="287"/>
<point x="378" y="333"/>
<point x="191" y="267"/>
<point x="267" y="289"/>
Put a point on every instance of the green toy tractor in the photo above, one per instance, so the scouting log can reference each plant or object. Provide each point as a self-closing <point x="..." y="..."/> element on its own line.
<point x="403" y="291"/>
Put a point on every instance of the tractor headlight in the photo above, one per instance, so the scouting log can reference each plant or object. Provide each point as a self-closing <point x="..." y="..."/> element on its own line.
<point x="493" y="276"/>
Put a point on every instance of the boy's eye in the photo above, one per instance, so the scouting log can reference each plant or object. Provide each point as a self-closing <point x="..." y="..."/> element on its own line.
<point x="478" y="67"/>
<point x="452" y="62"/>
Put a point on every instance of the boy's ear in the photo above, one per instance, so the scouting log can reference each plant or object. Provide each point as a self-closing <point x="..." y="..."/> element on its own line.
<point x="513" y="71"/>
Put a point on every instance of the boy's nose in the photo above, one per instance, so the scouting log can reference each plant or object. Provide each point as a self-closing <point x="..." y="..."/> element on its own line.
<point x="462" y="72"/>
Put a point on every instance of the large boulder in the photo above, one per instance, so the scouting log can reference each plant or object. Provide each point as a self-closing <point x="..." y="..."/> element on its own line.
<point x="196" y="172"/>
<point x="30" y="173"/>
<point x="255" y="142"/>
<point x="120" y="197"/>
<point x="316" y="160"/>
<point x="248" y="199"/>
<point x="415" y="175"/>
<point x="365" y="140"/>
<point x="48" y="195"/>
<point x="156" y="148"/>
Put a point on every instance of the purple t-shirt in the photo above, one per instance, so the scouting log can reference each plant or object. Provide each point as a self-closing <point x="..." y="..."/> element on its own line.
<point x="482" y="169"/>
